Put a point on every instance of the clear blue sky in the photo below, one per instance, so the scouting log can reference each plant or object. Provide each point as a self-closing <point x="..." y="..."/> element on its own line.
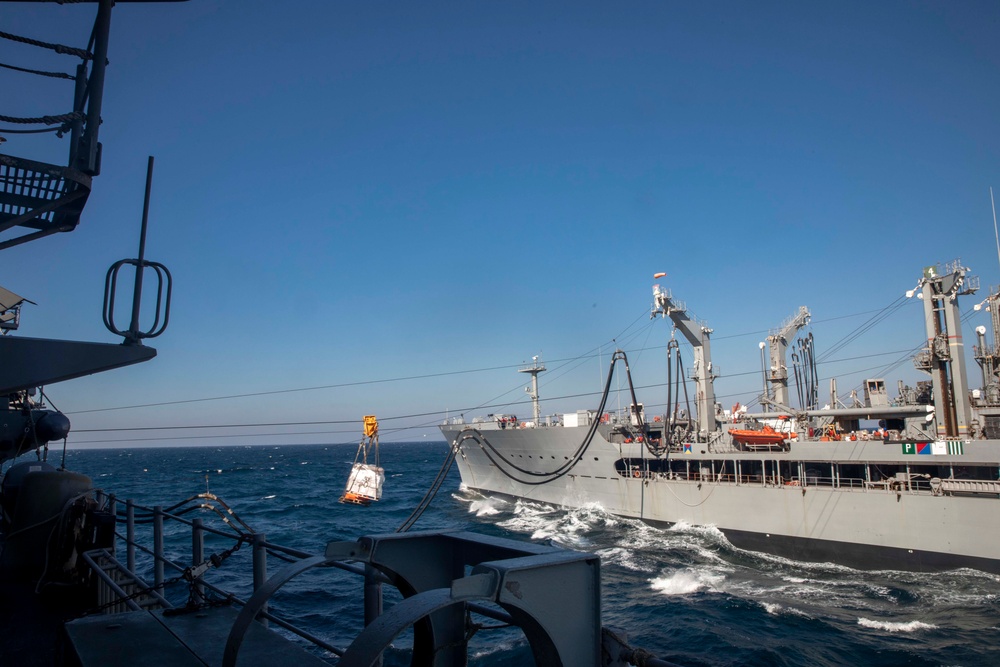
<point x="348" y="192"/>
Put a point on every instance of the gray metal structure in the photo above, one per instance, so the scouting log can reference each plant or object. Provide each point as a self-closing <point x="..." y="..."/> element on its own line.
<point x="945" y="353"/>
<point x="702" y="372"/>
<point x="535" y="368"/>
<point x="777" y="344"/>
<point x="439" y="574"/>
<point x="910" y="483"/>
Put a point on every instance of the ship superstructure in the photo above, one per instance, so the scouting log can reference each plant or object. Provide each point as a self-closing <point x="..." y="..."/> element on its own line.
<point x="911" y="482"/>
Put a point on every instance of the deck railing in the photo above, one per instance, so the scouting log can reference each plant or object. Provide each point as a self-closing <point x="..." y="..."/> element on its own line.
<point x="915" y="484"/>
<point x="449" y="556"/>
<point x="121" y="588"/>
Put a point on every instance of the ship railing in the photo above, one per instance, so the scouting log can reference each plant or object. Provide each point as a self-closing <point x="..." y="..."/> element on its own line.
<point x="901" y="481"/>
<point x="119" y="590"/>
<point x="115" y="597"/>
<point x="166" y="533"/>
<point x="916" y="484"/>
<point x="940" y="487"/>
<point x="171" y="532"/>
<point x="850" y="483"/>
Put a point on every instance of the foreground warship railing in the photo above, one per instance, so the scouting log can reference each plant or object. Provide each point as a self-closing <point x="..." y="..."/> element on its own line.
<point x="444" y="578"/>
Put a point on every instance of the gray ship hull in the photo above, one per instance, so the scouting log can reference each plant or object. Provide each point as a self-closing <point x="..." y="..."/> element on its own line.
<point x="869" y="522"/>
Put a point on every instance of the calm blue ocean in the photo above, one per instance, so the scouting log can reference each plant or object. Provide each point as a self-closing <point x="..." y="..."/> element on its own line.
<point x="684" y="593"/>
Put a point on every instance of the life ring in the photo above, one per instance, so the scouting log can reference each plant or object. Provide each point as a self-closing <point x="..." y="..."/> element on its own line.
<point x="635" y="474"/>
<point x="793" y="482"/>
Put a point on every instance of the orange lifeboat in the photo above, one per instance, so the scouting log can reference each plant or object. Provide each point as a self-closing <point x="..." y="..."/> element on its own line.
<point x="765" y="436"/>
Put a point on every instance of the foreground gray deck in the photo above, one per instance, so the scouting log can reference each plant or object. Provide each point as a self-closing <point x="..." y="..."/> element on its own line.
<point x="198" y="639"/>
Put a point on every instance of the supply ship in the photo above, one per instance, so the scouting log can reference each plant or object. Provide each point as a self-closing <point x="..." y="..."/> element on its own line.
<point x="871" y="482"/>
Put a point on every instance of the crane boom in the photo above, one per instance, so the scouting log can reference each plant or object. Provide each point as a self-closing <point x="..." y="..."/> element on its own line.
<point x="702" y="373"/>
<point x="778" y="347"/>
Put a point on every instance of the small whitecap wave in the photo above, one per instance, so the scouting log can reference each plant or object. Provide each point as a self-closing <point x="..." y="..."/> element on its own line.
<point x="685" y="582"/>
<point x="486" y="506"/>
<point x="496" y="648"/>
<point x="890" y="626"/>
<point x="269" y="497"/>
<point x="758" y="589"/>
<point x="626" y="557"/>
<point x="707" y="543"/>
<point x="467" y="495"/>
<point x="708" y="534"/>
<point x="811" y="567"/>
<point x="775" y="609"/>
<point x="568" y="527"/>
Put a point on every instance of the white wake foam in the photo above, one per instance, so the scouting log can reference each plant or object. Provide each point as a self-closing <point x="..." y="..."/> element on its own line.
<point x="630" y="558"/>
<point x="775" y="609"/>
<point x="685" y="582"/>
<point x="486" y="506"/>
<point x="889" y="626"/>
<point x="568" y="527"/>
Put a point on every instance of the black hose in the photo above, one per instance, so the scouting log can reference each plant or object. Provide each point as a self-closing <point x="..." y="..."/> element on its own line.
<point x="425" y="502"/>
<point x="562" y="470"/>
<point x="669" y="431"/>
<point x="680" y="377"/>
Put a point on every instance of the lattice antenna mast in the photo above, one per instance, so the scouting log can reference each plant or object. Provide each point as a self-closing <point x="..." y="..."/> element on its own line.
<point x="532" y="391"/>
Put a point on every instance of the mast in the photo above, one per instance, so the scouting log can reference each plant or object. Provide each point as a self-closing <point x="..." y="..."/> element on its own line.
<point x="532" y="391"/>
<point x="984" y="360"/>
<point x="698" y="335"/>
<point x="988" y="357"/>
<point x="944" y="356"/>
